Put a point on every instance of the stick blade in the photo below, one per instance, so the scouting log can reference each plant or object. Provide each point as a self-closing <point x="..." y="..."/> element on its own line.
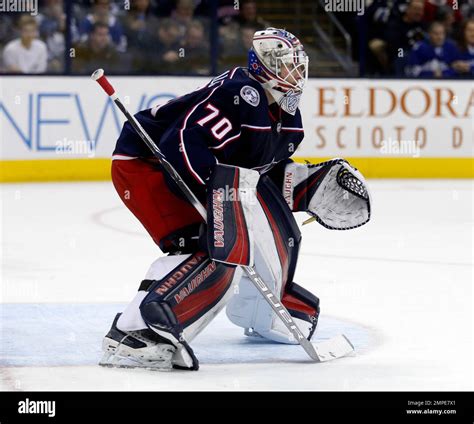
<point x="334" y="348"/>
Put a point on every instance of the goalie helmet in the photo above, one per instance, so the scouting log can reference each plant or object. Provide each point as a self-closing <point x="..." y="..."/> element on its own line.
<point x="278" y="61"/>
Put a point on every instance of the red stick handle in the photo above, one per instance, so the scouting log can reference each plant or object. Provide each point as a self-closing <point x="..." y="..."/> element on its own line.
<point x="99" y="77"/>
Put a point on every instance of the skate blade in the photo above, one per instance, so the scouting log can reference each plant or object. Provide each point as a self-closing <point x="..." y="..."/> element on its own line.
<point x="110" y="360"/>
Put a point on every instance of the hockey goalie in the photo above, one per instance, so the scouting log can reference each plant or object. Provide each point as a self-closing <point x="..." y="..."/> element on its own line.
<point x="231" y="142"/>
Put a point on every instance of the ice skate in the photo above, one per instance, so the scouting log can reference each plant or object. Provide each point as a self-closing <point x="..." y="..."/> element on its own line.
<point x="136" y="349"/>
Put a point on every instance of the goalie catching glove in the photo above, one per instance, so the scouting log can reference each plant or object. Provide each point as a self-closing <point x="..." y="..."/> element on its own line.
<point x="333" y="192"/>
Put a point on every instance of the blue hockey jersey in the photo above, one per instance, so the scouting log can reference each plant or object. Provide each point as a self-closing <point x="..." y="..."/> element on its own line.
<point x="227" y="121"/>
<point x="468" y="56"/>
<point x="424" y="59"/>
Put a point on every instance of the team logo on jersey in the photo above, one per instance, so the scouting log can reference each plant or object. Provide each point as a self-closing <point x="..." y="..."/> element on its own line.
<point x="290" y="102"/>
<point x="250" y="95"/>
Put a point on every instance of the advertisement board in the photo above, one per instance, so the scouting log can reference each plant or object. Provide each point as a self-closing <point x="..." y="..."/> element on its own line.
<point x="63" y="128"/>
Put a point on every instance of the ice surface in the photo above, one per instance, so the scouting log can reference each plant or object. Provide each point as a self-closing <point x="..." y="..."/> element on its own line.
<point x="400" y="288"/>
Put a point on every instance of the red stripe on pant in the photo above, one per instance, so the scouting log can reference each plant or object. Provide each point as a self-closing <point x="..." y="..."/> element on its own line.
<point x="143" y="189"/>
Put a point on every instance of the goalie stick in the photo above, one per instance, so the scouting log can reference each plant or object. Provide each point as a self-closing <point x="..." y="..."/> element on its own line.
<point x="323" y="351"/>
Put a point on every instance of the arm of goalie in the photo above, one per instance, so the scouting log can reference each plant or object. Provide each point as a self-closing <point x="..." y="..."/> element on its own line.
<point x="231" y="195"/>
<point x="333" y="192"/>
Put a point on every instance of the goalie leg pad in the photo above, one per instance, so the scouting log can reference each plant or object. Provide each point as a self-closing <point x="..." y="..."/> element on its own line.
<point x="179" y="297"/>
<point x="249" y="310"/>
<point x="231" y="198"/>
<point x="277" y="241"/>
<point x="192" y="291"/>
<point x="181" y="304"/>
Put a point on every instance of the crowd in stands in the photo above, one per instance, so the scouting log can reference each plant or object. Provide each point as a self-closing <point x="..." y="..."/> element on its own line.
<point x="146" y="38"/>
<point x="132" y="37"/>
<point x="33" y="44"/>
<point x="415" y="38"/>
<point x="421" y="38"/>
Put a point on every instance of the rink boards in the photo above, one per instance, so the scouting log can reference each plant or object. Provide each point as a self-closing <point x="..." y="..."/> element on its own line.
<point x="64" y="128"/>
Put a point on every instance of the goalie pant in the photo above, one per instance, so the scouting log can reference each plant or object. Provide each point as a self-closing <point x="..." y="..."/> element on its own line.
<point x="184" y="292"/>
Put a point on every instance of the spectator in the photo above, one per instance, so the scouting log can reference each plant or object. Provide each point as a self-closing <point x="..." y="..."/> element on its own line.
<point x="52" y="18"/>
<point x="229" y="33"/>
<point x="168" y="51"/>
<point x="52" y="24"/>
<point x="403" y="32"/>
<point x="101" y="13"/>
<point x="97" y="52"/>
<point x="140" y="24"/>
<point x="228" y="37"/>
<point x="141" y="30"/>
<point x="26" y="54"/>
<point x="432" y="8"/>
<point x="196" y="49"/>
<point x="467" y="9"/>
<point x="246" y="36"/>
<point x="183" y="15"/>
<point x="163" y="8"/>
<point x="205" y="8"/>
<point x="445" y="15"/>
<point x="237" y="53"/>
<point x="249" y="16"/>
<point x="227" y="11"/>
<point x="434" y="56"/>
<point x="378" y="13"/>
<point x="465" y="65"/>
<point x="7" y="27"/>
